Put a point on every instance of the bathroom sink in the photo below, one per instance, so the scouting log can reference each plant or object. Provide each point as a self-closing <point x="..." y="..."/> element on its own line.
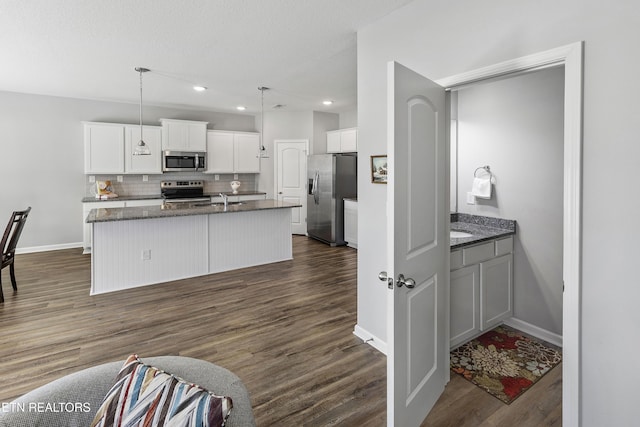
<point x="459" y="234"/>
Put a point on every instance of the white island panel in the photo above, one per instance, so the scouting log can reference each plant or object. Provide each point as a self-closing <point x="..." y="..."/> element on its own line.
<point x="128" y="254"/>
<point x="250" y="238"/>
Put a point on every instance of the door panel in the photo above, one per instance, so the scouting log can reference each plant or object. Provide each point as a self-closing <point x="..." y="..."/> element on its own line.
<point x="417" y="246"/>
<point x="292" y="180"/>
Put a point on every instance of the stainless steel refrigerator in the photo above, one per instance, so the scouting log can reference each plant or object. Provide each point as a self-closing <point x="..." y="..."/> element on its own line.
<point x="331" y="178"/>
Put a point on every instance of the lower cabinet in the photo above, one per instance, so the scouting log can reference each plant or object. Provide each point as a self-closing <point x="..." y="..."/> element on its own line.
<point x="496" y="276"/>
<point x="87" y="206"/>
<point x="351" y="223"/>
<point x="481" y="289"/>
<point x="465" y="304"/>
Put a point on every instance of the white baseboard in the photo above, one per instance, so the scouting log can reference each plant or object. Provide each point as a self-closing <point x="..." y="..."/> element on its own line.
<point x="45" y="248"/>
<point x="535" y="331"/>
<point x="370" y="339"/>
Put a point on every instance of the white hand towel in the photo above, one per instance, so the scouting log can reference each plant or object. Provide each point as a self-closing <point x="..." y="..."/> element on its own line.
<point x="482" y="187"/>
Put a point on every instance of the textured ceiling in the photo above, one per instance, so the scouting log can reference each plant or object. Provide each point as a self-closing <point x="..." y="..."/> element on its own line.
<point x="304" y="50"/>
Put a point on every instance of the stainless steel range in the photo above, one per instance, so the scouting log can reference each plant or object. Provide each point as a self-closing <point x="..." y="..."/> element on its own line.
<point x="180" y="192"/>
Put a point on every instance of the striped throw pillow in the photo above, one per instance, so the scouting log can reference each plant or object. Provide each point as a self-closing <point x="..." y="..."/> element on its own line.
<point x="146" y="396"/>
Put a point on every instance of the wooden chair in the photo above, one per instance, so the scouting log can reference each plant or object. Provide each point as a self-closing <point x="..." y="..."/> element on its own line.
<point x="9" y="243"/>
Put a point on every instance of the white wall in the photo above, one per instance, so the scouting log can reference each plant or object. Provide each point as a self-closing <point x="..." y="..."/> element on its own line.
<point x="441" y="39"/>
<point x="516" y="127"/>
<point x="322" y="122"/>
<point x="281" y="125"/>
<point x="311" y="125"/>
<point x="42" y="163"/>
<point x="349" y="119"/>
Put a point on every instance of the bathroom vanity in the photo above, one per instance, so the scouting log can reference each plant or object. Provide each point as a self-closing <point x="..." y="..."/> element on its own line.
<point x="481" y="281"/>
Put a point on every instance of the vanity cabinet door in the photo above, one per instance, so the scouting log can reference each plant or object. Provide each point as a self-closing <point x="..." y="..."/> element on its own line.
<point x="496" y="282"/>
<point x="464" y="313"/>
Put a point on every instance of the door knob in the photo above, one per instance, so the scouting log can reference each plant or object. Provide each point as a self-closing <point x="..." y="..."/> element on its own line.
<point x="408" y="282"/>
<point x="383" y="277"/>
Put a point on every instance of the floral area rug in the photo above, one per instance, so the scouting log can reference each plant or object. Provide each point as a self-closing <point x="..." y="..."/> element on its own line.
<point x="504" y="362"/>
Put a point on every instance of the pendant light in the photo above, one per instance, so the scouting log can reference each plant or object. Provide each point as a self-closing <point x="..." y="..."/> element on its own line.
<point x="141" y="149"/>
<point x="263" y="150"/>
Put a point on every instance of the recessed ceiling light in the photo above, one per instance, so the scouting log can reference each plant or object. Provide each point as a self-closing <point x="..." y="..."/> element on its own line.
<point x="327" y="102"/>
<point x="199" y="88"/>
<point x="241" y="108"/>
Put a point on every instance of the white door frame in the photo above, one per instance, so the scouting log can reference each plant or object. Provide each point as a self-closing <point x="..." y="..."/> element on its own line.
<point x="571" y="57"/>
<point x="276" y="142"/>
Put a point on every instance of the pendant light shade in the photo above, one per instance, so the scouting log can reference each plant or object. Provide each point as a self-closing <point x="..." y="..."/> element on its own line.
<point x="141" y="149"/>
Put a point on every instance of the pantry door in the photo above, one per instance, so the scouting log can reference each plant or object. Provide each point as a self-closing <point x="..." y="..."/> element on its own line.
<point x="291" y="177"/>
<point x="417" y="246"/>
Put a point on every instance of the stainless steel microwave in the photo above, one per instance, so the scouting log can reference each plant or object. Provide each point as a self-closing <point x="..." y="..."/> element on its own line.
<point x="181" y="161"/>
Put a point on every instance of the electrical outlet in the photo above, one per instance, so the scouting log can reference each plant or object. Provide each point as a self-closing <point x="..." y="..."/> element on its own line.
<point x="146" y="254"/>
<point x="92" y="178"/>
<point x="145" y="178"/>
<point x="216" y="177"/>
<point x="119" y="178"/>
<point x="471" y="199"/>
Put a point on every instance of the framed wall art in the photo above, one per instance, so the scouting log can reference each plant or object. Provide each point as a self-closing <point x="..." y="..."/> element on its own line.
<point x="379" y="169"/>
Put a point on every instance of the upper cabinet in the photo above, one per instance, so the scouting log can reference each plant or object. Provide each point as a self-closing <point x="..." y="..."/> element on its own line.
<point x="103" y="148"/>
<point x="342" y="141"/>
<point x="108" y="149"/>
<point x="148" y="164"/>
<point x="184" y="135"/>
<point x="233" y="152"/>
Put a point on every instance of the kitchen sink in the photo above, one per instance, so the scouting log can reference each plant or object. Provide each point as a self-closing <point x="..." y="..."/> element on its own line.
<point x="228" y="203"/>
<point x="459" y="234"/>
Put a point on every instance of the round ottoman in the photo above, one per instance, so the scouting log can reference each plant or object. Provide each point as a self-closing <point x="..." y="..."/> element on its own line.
<point x="87" y="389"/>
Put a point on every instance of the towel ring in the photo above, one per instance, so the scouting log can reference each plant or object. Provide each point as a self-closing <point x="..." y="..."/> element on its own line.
<point x="485" y="168"/>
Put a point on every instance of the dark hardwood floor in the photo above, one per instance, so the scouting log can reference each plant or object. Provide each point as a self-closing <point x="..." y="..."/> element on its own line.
<point x="285" y="329"/>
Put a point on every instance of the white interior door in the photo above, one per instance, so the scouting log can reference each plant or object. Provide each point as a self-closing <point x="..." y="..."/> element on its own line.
<point x="417" y="246"/>
<point x="291" y="170"/>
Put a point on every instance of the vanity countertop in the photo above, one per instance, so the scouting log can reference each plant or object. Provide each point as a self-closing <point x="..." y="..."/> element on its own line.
<point x="482" y="228"/>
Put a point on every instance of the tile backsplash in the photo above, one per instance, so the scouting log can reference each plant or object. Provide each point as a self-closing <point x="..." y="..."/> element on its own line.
<point x="133" y="185"/>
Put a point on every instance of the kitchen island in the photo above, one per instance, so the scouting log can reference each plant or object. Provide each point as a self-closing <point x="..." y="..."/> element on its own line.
<point x="145" y="245"/>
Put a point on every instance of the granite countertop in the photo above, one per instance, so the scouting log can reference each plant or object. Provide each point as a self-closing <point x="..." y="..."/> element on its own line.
<point x="187" y="209"/>
<point x="482" y="228"/>
<point x="158" y="196"/>
<point x="121" y="198"/>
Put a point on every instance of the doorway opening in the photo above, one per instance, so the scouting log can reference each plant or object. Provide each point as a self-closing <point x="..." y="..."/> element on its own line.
<point x="571" y="58"/>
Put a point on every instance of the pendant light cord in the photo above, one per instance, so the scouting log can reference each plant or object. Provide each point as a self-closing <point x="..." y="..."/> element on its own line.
<point x="262" y="147"/>
<point x="141" y="140"/>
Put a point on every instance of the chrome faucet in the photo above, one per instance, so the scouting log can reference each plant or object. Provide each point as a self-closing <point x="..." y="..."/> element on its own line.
<point x="225" y="199"/>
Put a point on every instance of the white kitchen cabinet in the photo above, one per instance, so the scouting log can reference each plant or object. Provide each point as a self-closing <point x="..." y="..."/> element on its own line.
<point x="246" y="155"/>
<point x="481" y="288"/>
<point x="342" y="141"/>
<point x="87" y="206"/>
<point x="86" y="230"/>
<point x="184" y="135"/>
<point x="103" y="148"/>
<point x="351" y="223"/>
<point x="108" y="149"/>
<point x="233" y="152"/>
<point x="147" y="164"/>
